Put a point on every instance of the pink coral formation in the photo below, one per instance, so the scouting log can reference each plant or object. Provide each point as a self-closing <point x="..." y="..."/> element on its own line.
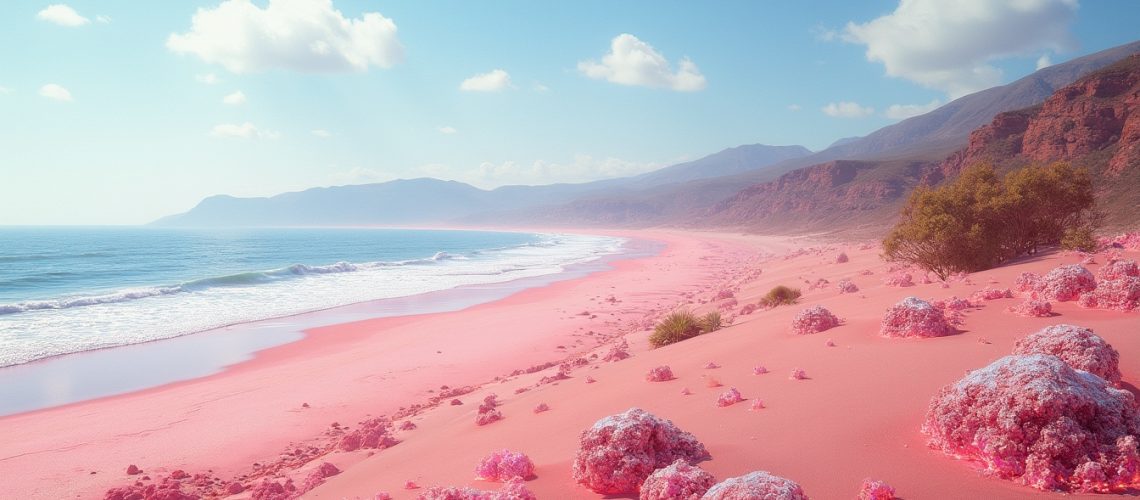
<point x="619" y="452"/>
<point x="756" y="485"/>
<point x="798" y="374"/>
<point x="1033" y="308"/>
<point x="872" y="489"/>
<point x="1078" y="347"/>
<point x="504" y="465"/>
<point x="841" y="258"/>
<point x="899" y="279"/>
<point x="1036" y="420"/>
<point x="988" y="293"/>
<point x="729" y="398"/>
<point x="678" y="481"/>
<point x="814" y="319"/>
<point x="659" y="374"/>
<point x="914" y="317"/>
<point x="1122" y="294"/>
<point x="846" y="286"/>
<point x="1117" y="269"/>
<point x="373" y="434"/>
<point x="1065" y="283"/>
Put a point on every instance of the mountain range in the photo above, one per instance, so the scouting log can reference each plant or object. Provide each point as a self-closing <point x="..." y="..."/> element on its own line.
<point x="855" y="182"/>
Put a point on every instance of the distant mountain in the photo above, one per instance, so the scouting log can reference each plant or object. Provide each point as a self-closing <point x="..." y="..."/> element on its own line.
<point x="845" y="140"/>
<point x="432" y="201"/>
<point x="1093" y="122"/>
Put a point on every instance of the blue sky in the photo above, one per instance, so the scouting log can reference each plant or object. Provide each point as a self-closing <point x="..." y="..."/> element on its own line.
<point x="119" y="112"/>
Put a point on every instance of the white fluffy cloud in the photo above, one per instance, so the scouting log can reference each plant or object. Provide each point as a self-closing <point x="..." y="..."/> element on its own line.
<point x="55" y="92"/>
<point x="322" y="133"/>
<point x="62" y="15"/>
<point x="447" y="129"/>
<point x="904" y="111"/>
<point x="1044" y="61"/>
<point x="493" y="81"/>
<point x="298" y="35"/>
<point x="235" y="99"/>
<point x="847" y="109"/>
<point x="949" y="45"/>
<point x="634" y="62"/>
<point x="102" y="19"/>
<point x="244" y="131"/>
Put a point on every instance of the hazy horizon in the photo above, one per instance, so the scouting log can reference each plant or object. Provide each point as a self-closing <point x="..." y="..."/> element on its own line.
<point x="121" y="113"/>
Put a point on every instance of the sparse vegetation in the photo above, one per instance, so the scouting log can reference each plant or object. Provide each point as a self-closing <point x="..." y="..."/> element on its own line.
<point x="711" y="322"/>
<point x="979" y="220"/>
<point x="780" y="296"/>
<point x="677" y="326"/>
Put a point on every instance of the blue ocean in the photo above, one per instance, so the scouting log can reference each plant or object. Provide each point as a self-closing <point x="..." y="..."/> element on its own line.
<point x="66" y="290"/>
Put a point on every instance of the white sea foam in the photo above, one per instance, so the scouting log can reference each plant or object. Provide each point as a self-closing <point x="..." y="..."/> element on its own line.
<point x="37" y="329"/>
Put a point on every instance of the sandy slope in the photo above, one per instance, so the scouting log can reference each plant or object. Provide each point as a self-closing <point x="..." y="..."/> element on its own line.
<point x="857" y="416"/>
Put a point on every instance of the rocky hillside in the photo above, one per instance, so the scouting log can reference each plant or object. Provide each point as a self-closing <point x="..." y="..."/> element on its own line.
<point x="1094" y="121"/>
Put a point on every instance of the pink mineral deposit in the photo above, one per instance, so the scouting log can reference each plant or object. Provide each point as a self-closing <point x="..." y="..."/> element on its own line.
<point x="411" y="485"/>
<point x="759" y="370"/>
<point x="1121" y="294"/>
<point x="1117" y="269"/>
<point x="504" y="465"/>
<point x="619" y="452"/>
<point x="756" y="485"/>
<point x="1066" y="283"/>
<point x="514" y="489"/>
<point x="407" y="425"/>
<point x="798" y="374"/>
<point x="317" y="477"/>
<point x="686" y="392"/>
<point x="1078" y="347"/>
<point x="988" y="293"/>
<point x="729" y="398"/>
<point x="272" y="490"/>
<point x="757" y="404"/>
<point x="747" y="309"/>
<point x="678" y="481"/>
<point x="914" y="317"/>
<point x="1027" y="282"/>
<point x="1035" y="420"/>
<point x="1033" y="308"/>
<point x="846" y="286"/>
<point x="373" y="434"/>
<point x="711" y="365"/>
<point x="814" y="319"/>
<point x="167" y="490"/>
<point x="488" y="417"/>
<point x="876" y="490"/>
<point x="899" y="279"/>
<point x="541" y="408"/>
<point x="618" y="352"/>
<point x="829" y="343"/>
<point x="841" y="258"/>
<point x="659" y="374"/>
<point x="133" y="470"/>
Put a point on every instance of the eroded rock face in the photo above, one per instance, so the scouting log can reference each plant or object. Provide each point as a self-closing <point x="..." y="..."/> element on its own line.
<point x="619" y="452"/>
<point x="1035" y="420"/>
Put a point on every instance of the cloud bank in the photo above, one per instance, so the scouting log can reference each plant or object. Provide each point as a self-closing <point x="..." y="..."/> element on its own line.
<point x="631" y="61"/>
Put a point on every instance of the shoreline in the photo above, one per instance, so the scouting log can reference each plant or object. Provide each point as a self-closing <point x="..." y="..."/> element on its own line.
<point x="88" y="367"/>
<point x="340" y="371"/>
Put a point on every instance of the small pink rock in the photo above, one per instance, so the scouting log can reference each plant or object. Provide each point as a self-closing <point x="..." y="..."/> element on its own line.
<point x="590" y="380"/>
<point x="729" y="398"/>
<point x="830" y="343"/>
<point x="411" y="485"/>
<point x="711" y="365"/>
<point x="407" y="425"/>
<point x="872" y="489"/>
<point x="660" y="374"/>
<point x="541" y="408"/>
<point x="234" y="488"/>
<point x="503" y="465"/>
<point x="814" y="319"/>
<point x="179" y="475"/>
<point x="798" y="374"/>
<point x="756" y="485"/>
<point x="133" y="470"/>
<point x="685" y="391"/>
<point x="456" y="402"/>
<point x="757" y="404"/>
<point x="759" y="370"/>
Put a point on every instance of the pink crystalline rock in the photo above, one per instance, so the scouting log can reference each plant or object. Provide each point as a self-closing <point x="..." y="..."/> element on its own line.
<point x="814" y="319"/>
<point x="841" y="258"/>
<point x="759" y="370"/>
<point x="1065" y="283"/>
<point x="992" y="294"/>
<point x="846" y="286"/>
<point x="899" y="279"/>
<point x="914" y="317"/>
<point x="619" y="452"/>
<point x="167" y="490"/>
<point x="1033" y="308"/>
<point x="1121" y="294"/>
<point x="504" y="465"/>
<point x="1035" y="420"/>
<point x="678" y="481"/>
<point x="317" y="477"/>
<point x="541" y="408"/>
<point x="272" y="490"/>
<point x="1078" y="347"/>
<point x="729" y="398"/>
<point x="1117" y="269"/>
<point x="373" y="434"/>
<point x="876" y="490"/>
<point x="756" y="485"/>
<point x="798" y="374"/>
<point x="659" y="374"/>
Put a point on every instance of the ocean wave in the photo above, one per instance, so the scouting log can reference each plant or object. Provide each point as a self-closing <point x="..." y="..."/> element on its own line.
<point x="90" y="300"/>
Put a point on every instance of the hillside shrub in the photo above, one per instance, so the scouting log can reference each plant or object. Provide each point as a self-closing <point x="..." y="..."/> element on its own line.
<point x="677" y="326"/>
<point x="979" y="220"/>
<point x="779" y="296"/>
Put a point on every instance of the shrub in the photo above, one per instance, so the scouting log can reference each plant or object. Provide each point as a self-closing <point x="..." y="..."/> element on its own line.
<point x="899" y="279"/>
<point x="876" y="490"/>
<point x="1066" y="283"/>
<point x="618" y="453"/>
<point x="988" y="293"/>
<point x="710" y="322"/>
<point x="814" y="319"/>
<point x="678" y="481"/>
<point x="729" y="398"/>
<point x="1035" y="420"/>
<point x="1078" y="347"/>
<point x="979" y="221"/>
<point x="1117" y="269"/>
<point x="759" y="484"/>
<point x="677" y="326"/>
<point x="841" y="258"/>
<point x="504" y="465"/>
<point x="779" y="296"/>
<point x="914" y="317"/>
<point x="846" y="286"/>
<point x="1033" y="308"/>
<point x="1120" y="294"/>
